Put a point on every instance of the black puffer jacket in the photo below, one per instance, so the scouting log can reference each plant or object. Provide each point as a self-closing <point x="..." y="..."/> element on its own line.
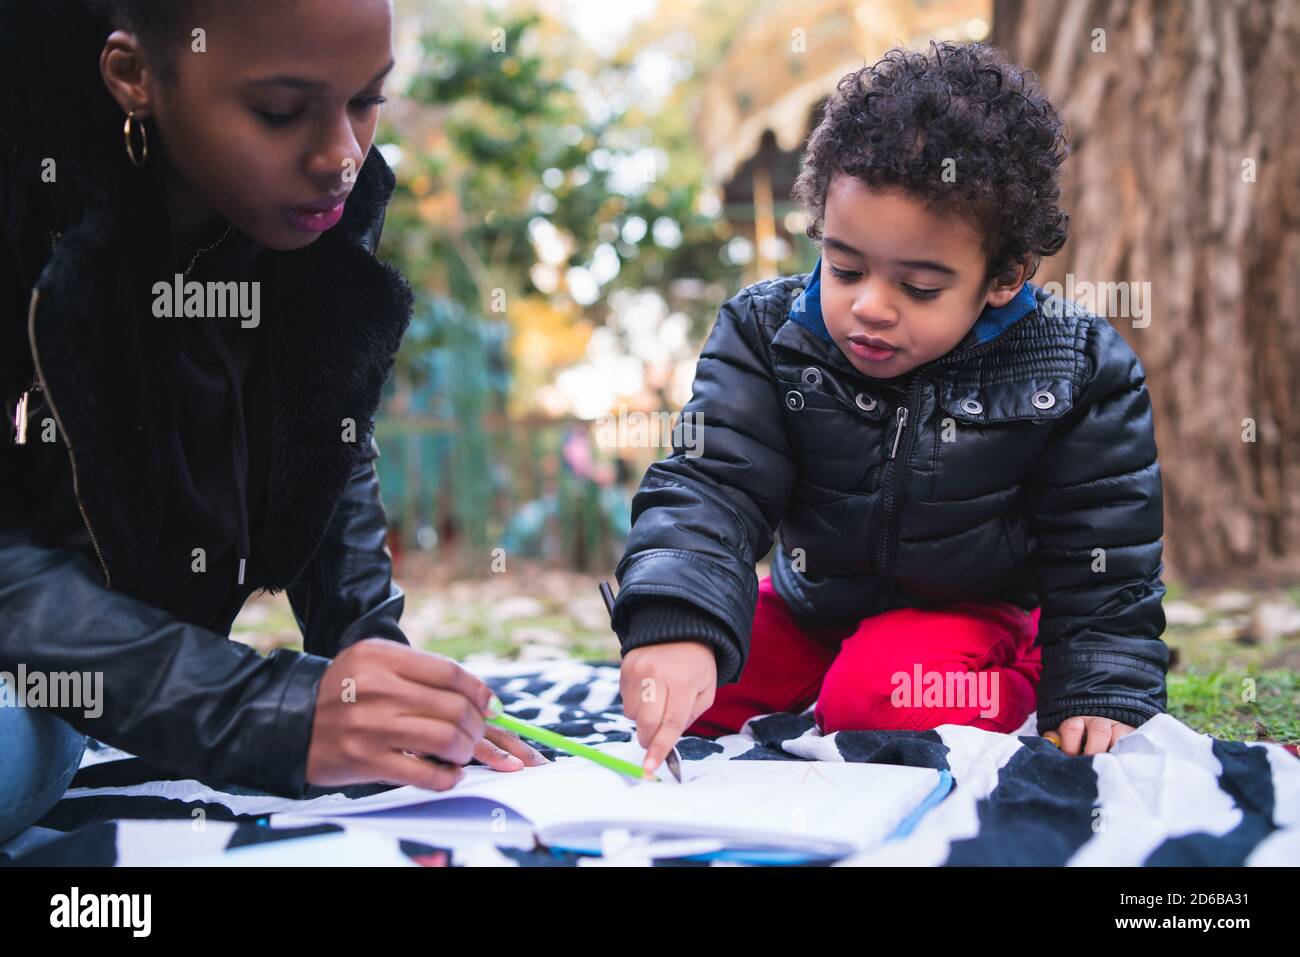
<point x="1020" y="466"/>
<point x="85" y="501"/>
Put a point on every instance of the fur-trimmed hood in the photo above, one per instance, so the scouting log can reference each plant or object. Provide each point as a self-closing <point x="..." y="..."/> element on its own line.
<point x="78" y="320"/>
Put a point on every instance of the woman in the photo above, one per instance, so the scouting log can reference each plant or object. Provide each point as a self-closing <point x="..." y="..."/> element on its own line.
<point x="194" y="335"/>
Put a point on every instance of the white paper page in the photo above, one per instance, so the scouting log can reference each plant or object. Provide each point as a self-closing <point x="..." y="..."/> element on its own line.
<point x="346" y="849"/>
<point x="452" y="823"/>
<point x="831" y="807"/>
<point x="815" y="805"/>
<point x="407" y="796"/>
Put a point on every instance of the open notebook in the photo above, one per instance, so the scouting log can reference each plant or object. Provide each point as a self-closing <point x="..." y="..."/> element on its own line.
<point x="813" y="807"/>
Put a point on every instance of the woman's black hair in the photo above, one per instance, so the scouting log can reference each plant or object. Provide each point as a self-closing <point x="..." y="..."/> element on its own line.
<point x="162" y="26"/>
<point x="895" y="124"/>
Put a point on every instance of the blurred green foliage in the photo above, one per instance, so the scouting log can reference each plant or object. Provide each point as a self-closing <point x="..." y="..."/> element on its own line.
<point x="495" y="135"/>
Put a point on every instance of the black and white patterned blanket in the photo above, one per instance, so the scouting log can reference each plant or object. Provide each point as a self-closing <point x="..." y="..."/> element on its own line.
<point x="1165" y="796"/>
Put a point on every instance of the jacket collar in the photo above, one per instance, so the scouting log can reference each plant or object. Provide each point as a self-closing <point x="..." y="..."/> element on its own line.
<point x="991" y="323"/>
<point x="335" y="315"/>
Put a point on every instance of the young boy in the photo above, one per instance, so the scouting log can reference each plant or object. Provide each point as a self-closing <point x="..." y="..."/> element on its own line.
<point x="962" y="467"/>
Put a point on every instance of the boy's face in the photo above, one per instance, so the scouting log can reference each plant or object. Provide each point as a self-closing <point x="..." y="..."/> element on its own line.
<point x="270" y="125"/>
<point x="900" y="284"/>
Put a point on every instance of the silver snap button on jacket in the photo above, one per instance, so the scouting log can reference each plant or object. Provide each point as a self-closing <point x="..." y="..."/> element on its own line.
<point x="1044" y="399"/>
<point x="972" y="406"/>
<point x="812" y="376"/>
<point x="865" y="402"/>
<point x="794" y="400"/>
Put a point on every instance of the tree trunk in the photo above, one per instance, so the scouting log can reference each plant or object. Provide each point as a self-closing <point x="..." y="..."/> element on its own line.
<point x="1185" y="174"/>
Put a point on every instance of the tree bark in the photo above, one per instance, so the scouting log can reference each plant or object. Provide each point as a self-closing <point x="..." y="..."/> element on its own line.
<point x="1185" y="173"/>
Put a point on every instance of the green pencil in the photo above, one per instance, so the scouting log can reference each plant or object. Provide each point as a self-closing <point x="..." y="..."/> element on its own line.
<point x="526" y="730"/>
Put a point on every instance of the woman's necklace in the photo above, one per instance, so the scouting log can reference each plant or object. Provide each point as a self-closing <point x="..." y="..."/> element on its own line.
<point x="207" y="249"/>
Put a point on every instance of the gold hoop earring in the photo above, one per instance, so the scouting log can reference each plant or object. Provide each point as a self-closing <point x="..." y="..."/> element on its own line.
<point x="143" y="157"/>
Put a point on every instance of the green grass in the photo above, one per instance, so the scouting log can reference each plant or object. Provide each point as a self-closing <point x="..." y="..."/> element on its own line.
<point x="475" y="641"/>
<point x="500" y="641"/>
<point x="1213" y="702"/>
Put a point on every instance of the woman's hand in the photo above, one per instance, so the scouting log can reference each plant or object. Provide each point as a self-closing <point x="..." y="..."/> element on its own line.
<point x="503" y="750"/>
<point x="382" y="705"/>
<point x="1093" y="735"/>
<point x="665" y="688"/>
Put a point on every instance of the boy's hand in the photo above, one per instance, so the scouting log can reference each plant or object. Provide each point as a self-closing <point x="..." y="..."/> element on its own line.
<point x="381" y="705"/>
<point x="1098" y="733"/>
<point x="665" y="688"/>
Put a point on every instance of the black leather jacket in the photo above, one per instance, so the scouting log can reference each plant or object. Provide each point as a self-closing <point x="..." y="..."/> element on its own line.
<point x="81" y="515"/>
<point x="1021" y="466"/>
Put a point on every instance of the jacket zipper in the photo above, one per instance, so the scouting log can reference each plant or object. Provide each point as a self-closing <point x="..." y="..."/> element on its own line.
<point x="892" y="485"/>
<point x="21" y="411"/>
<point x="39" y="385"/>
<point x="892" y="491"/>
<point x="72" y="459"/>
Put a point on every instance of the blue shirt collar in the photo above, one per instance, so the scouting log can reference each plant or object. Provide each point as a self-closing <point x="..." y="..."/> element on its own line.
<point x="806" y="311"/>
<point x="993" y="322"/>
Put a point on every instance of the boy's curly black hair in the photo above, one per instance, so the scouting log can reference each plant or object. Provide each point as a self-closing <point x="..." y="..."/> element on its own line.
<point x="893" y="124"/>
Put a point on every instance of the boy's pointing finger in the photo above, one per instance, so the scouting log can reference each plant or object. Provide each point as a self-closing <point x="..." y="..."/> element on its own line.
<point x="675" y="716"/>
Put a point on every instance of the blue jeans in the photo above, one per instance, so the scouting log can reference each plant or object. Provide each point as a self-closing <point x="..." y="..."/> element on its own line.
<point x="39" y="754"/>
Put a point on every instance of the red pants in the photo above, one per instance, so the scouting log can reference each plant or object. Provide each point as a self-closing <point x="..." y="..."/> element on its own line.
<point x="971" y="663"/>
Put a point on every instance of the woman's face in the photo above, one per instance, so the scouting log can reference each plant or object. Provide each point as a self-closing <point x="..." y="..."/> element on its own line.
<point x="901" y="284"/>
<point x="270" y="126"/>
